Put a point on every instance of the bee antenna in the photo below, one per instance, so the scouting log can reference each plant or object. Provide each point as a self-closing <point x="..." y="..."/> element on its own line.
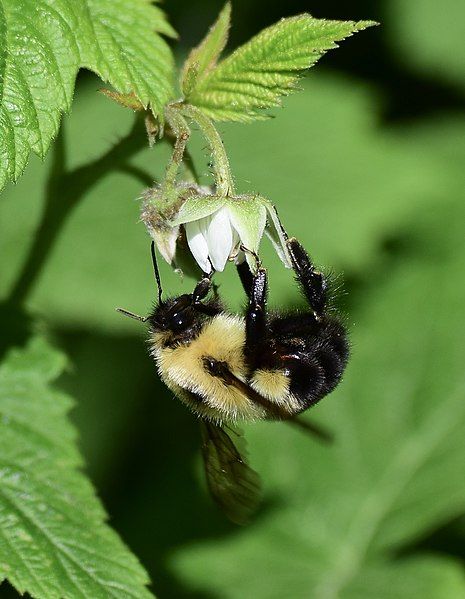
<point x="156" y="271"/>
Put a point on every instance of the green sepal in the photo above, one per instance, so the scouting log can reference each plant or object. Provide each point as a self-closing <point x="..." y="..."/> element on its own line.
<point x="196" y="207"/>
<point x="275" y="232"/>
<point x="248" y="217"/>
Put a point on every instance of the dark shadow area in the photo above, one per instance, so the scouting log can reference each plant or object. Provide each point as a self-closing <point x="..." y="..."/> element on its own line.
<point x="16" y="327"/>
<point x="447" y="540"/>
<point x="8" y="592"/>
<point x="72" y="185"/>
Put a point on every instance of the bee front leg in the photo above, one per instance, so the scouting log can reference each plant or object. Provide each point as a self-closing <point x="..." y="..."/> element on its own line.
<point x="201" y="290"/>
<point x="245" y="274"/>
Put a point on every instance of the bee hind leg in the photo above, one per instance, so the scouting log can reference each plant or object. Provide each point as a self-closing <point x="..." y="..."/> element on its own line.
<point x="312" y="282"/>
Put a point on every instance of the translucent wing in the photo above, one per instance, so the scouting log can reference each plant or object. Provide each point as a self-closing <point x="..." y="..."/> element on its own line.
<point x="234" y="486"/>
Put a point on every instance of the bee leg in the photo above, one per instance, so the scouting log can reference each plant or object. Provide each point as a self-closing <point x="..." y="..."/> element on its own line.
<point x="246" y="277"/>
<point x="312" y="282"/>
<point x="201" y="290"/>
<point x="245" y="274"/>
<point x="255" y="320"/>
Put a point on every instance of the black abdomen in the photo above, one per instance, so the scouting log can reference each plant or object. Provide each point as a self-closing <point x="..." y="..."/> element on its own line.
<point x="313" y="352"/>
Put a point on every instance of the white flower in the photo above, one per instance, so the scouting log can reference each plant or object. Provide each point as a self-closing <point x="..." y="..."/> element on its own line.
<point x="215" y="226"/>
<point x="212" y="240"/>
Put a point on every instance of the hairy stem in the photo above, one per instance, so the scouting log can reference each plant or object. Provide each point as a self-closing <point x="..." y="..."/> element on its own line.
<point x="223" y="178"/>
<point x="63" y="193"/>
<point x="182" y="134"/>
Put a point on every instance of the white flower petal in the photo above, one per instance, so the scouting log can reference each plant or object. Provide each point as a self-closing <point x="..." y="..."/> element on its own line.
<point x="219" y="238"/>
<point x="195" y="233"/>
<point x="235" y="245"/>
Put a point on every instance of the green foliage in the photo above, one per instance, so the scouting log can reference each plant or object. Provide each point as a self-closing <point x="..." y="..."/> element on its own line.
<point x="44" y="43"/>
<point x="383" y="203"/>
<point x="203" y="59"/>
<point x="53" y="540"/>
<point x="257" y="74"/>
<point x="430" y="38"/>
<point x="395" y="471"/>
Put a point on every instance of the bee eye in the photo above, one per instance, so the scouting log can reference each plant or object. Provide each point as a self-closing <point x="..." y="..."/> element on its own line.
<point x="178" y="321"/>
<point x="181" y="320"/>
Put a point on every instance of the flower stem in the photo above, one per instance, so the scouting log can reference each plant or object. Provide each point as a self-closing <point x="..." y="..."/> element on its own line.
<point x="182" y="133"/>
<point x="223" y="178"/>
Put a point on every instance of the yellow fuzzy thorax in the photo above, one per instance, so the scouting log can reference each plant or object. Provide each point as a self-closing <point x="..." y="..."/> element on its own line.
<point x="182" y="369"/>
<point x="222" y="338"/>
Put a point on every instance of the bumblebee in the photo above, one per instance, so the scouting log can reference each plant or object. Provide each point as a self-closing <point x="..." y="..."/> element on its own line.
<point x="228" y="368"/>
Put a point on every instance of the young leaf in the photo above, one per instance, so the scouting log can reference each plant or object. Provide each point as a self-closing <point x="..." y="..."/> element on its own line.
<point x="54" y="542"/>
<point x="257" y="74"/>
<point x="42" y="46"/>
<point x="203" y="59"/>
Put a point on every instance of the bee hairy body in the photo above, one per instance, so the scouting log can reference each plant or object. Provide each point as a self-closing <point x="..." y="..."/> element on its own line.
<point x="183" y="368"/>
<point x="227" y="367"/>
<point x="208" y="367"/>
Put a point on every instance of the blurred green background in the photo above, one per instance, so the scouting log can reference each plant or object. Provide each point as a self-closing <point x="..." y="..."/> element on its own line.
<point x="366" y="167"/>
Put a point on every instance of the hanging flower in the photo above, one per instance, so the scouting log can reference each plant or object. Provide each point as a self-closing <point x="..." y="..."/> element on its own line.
<point x="215" y="226"/>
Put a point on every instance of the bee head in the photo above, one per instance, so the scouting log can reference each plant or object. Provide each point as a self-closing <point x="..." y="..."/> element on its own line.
<point x="175" y="314"/>
<point x="180" y="316"/>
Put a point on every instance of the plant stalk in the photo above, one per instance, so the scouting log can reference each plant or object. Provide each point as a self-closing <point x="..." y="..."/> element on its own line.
<point x="224" y="181"/>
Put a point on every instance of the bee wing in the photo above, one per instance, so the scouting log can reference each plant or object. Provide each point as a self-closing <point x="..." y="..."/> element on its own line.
<point x="234" y="486"/>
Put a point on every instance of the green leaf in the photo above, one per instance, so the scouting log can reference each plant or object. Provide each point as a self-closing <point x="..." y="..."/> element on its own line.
<point x="340" y="516"/>
<point x="257" y="74"/>
<point x="415" y="578"/>
<point x="43" y="44"/>
<point x="53" y="539"/>
<point x="203" y="59"/>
